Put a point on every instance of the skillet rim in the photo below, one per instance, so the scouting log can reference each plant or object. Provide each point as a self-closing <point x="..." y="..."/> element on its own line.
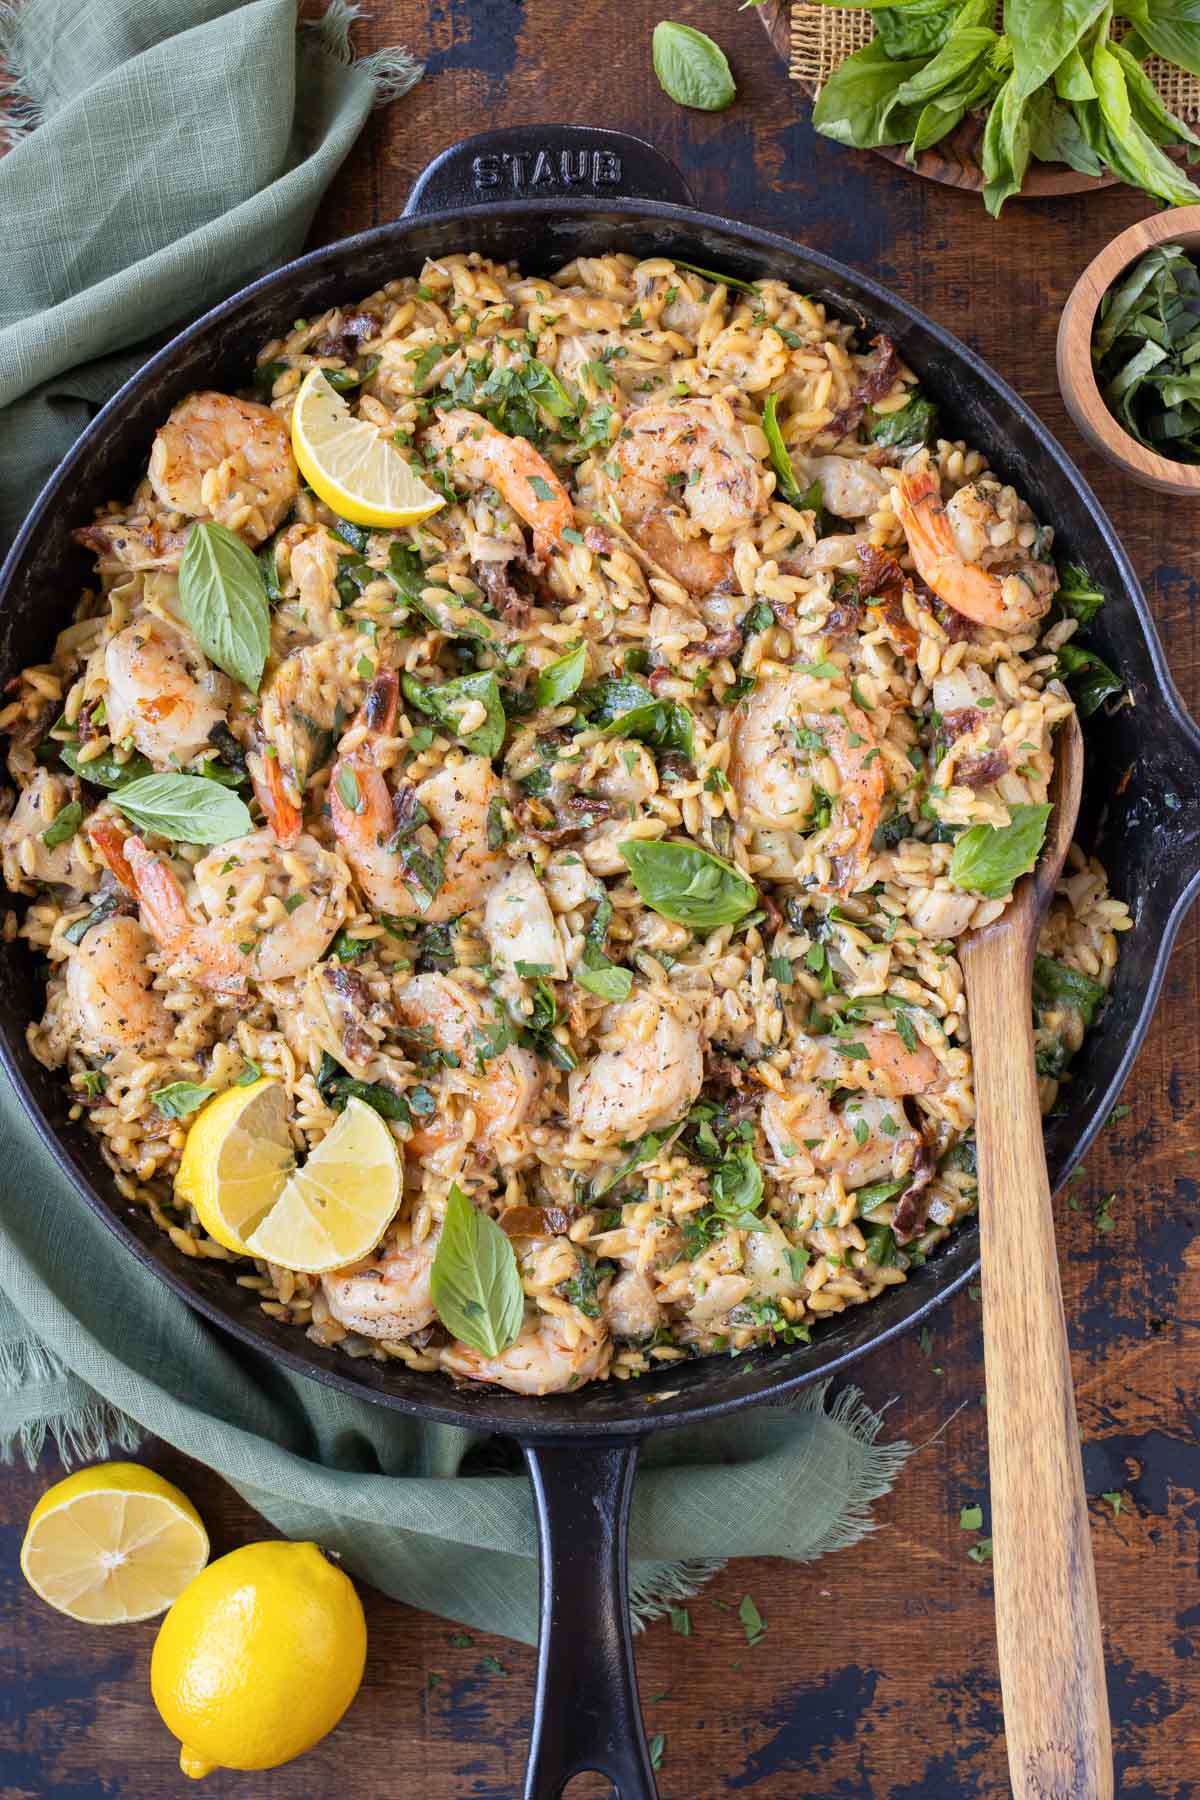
<point x="769" y="1373"/>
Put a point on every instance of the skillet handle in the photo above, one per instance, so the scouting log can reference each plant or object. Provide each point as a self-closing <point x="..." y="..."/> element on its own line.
<point x="546" y="162"/>
<point x="586" y="1711"/>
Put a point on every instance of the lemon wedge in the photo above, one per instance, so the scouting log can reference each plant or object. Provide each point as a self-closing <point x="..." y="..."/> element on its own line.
<point x="236" y="1161"/>
<point x="337" y="1207"/>
<point x="259" y="1658"/>
<point x="350" y="464"/>
<point x="238" y="1171"/>
<point x="112" y="1544"/>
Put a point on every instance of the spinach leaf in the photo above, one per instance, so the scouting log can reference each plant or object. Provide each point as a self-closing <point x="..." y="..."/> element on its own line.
<point x="104" y="771"/>
<point x="1088" y="677"/>
<point x="224" y="602"/>
<point x="1055" y="984"/>
<point x="1078" y="594"/>
<point x="180" y="1099"/>
<point x="1146" y="347"/>
<point x="691" y="69"/>
<point x="781" y="462"/>
<point x="448" y="702"/>
<point x="336" y="1087"/>
<point x="63" y="825"/>
<point x="910" y="426"/>
<point x="184" y="808"/>
<point x="559" y="679"/>
<point x="687" y="884"/>
<point x="474" y="1282"/>
<point x="104" y="909"/>
<point x="597" y="973"/>
<point x="988" y="859"/>
<point x="663" y="724"/>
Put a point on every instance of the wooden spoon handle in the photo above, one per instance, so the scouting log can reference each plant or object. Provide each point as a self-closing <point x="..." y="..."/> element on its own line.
<point x="1047" y="1617"/>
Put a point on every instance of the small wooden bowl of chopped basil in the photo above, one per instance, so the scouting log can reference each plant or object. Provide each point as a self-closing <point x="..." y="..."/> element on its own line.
<point x="1129" y="352"/>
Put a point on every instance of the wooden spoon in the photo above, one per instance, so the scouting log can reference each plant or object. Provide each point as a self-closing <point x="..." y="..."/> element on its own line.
<point x="1047" y="1617"/>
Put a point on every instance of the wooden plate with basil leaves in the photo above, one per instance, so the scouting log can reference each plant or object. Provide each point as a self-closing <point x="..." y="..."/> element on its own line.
<point x="1074" y="112"/>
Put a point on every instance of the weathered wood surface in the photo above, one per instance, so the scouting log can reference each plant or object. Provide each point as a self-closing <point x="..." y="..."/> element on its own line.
<point x="877" y="1677"/>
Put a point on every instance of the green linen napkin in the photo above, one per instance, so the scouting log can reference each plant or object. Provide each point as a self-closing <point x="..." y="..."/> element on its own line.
<point x="180" y="146"/>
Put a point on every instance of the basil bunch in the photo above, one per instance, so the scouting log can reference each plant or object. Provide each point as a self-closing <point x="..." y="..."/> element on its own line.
<point x="1056" y="85"/>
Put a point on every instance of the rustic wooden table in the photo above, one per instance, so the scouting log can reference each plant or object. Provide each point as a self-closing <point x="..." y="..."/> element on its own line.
<point x="876" y="1678"/>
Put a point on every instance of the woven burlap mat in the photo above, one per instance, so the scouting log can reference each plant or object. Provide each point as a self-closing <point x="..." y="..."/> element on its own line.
<point x="824" y="36"/>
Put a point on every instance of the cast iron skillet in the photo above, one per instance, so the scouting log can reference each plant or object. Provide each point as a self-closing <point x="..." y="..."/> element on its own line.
<point x="540" y="197"/>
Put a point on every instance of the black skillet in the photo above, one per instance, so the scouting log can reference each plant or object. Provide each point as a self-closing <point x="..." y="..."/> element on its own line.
<point x="539" y="197"/>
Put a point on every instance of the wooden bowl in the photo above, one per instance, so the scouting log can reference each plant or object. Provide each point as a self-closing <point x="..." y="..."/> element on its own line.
<point x="1076" y="372"/>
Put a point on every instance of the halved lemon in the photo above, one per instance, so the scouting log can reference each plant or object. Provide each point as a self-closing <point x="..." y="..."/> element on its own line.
<point x="239" y="1173"/>
<point x="113" y="1544"/>
<point x="351" y="465"/>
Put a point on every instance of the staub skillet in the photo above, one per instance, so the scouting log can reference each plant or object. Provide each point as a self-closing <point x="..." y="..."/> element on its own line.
<point x="539" y="197"/>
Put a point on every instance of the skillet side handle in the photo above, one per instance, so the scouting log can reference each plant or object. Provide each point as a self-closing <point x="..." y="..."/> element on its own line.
<point x="546" y="162"/>
<point x="586" y="1712"/>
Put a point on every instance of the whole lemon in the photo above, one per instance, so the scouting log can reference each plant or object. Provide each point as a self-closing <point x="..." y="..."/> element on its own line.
<point x="258" y="1658"/>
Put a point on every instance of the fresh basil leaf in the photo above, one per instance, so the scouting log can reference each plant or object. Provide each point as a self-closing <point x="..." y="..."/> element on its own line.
<point x="856" y="106"/>
<point x="615" y="695"/>
<point x="180" y="1099"/>
<point x="1042" y="33"/>
<point x="187" y="809"/>
<point x="1056" y="984"/>
<point x="691" y="69"/>
<point x="644" y="1150"/>
<point x="919" y="29"/>
<point x="224" y="602"/>
<point x="910" y="426"/>
<point x="611" y="982"/>
<point x="1055" y="135"/>
<point x="781" y="462"/>
<point x="1171" y="28"/>
<point x="104" y="771"/>
<point x="63" y="825"/>
<point x="687" y="884"/>
<point x="988" y="859"/>
<point x="475" y="1282"/>
<point x="1128" y="149"/>
<point x="447" y="702"/>
<point x="1006" y="147"/>
<point x="559" y="679"/>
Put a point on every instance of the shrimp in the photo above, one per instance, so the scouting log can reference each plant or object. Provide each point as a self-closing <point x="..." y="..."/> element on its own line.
<point x="623" y="1093"/>
<point x="851" y="487"/>
<point x="549" y="1357"/>
<point x="865" y="1139"/>
<point x="781" y="745"/>
<point x="387" y="1295"/>
<point x="511" y="465"/>
<point x="632" y="1310"/>
<point x="519" y="925"/>
<point x="498" y="1092"/>
<point x="28" y="860"/>
<point x="226" y="952"/>
<point x="162" y="693"/>
<point x="111" y="991"/>
<point x="378" y="834"/>
<point x="698" y="448"/>
<point x="225" y="459"/>
<point x="948" y="541"/>
<point x="133" y="545"/>
<point x="889" y="1068"/>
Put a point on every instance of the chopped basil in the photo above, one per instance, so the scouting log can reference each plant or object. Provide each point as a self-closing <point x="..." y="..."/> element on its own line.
<point x="63" y="826"/>
<point x="180" y="1099"/>
<point x="559" y="679"/>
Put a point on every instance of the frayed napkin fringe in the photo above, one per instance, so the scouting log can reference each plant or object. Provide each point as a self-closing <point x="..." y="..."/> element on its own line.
<point x="391" y="71"/>
<point x="85" y="1429"/>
